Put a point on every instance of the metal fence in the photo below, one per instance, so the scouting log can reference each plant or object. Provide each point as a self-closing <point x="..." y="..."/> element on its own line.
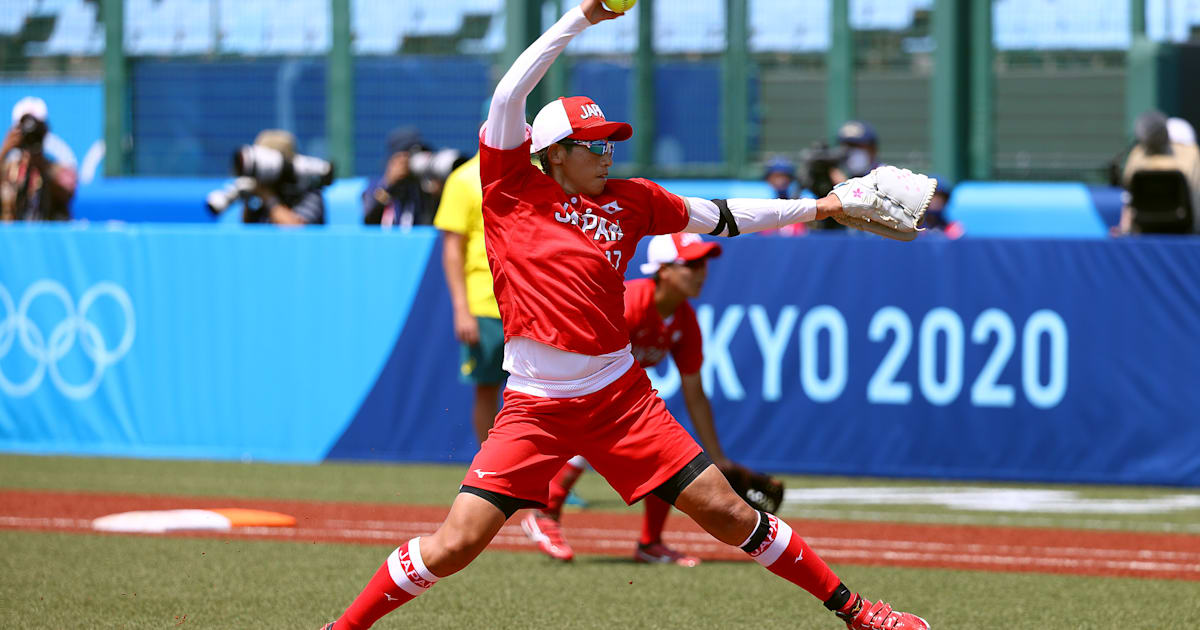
<point x="714" y="86"/>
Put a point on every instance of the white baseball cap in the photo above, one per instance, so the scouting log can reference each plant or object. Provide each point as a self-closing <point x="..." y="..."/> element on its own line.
<point x="1180" y="131"/>
<point x="676" y="249"/>
<point x="29" y="106"/>
<point x="577" y="117"/>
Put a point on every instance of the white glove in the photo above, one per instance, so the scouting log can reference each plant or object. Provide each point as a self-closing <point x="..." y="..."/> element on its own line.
<point x="888" y="201"/>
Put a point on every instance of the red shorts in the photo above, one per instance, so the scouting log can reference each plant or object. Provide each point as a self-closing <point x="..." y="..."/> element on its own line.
<point x="624" y="431"/>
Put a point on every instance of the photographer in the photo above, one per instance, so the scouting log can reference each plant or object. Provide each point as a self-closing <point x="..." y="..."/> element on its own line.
<point x="34" y="186"/>
<point x="281" y="195"/>
<point x="411" y="186"/>
<point x="860" y="150"/>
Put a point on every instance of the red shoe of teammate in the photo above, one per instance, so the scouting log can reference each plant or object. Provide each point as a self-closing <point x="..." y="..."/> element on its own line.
<point x="546" y="532"/>
<point x="860" y="614"/>
<point x="658" y="553"/>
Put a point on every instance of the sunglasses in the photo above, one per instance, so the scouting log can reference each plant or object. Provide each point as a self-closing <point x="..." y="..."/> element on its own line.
<point x="596" y="147"/>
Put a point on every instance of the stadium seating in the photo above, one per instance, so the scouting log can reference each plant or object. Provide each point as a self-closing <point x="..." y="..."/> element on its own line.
<point x="441" y="18"/>
<point x="617" y="37"/>
<point x="695" y="26"/>
<point x="169" y="27"/>
<point x="301" y="27"/>
<point x="13" y="17"/>
<point x="243" y="27"/>
<point x="378" y="29"/>
<point x="776" y="28"/>
<point x="76" y="31"/>
<point x="491" y="42"/>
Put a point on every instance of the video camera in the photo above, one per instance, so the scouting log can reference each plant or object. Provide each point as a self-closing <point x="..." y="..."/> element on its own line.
<point x="816" y="164"/>
<point x="434" y="165"/>
<point x="33" y="132"/>
<point x="258" y="166"/>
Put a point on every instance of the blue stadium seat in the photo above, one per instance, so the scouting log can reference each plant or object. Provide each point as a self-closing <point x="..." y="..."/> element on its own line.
<point x="694" y="26"/>
<point x="53" y="7"/>
<point x="491" y="42"/>
<point x="75" y="33"/>
<point x="441" y="18"/>
<point x="1060" y="25"/>
<point x="789" y="25"/>
<point x="483" y="7"/>
<point x="195" y="22"/>
<point x="243" y="26"/>
<point x="378" y="28"/>
<point x="12" y="18"/>
<point x="616" y="37"/>
<point x="296" y="27"/>
<point x="881" y="15"/>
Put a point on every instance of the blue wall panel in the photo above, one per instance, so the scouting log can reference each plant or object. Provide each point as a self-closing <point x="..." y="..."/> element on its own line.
<point x="196" y="341"/>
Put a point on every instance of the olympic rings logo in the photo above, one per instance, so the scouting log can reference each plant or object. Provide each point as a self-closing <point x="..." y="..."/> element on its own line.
<point x="47" y="350"/>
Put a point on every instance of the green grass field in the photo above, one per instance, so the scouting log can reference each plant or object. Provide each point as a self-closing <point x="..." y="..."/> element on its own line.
<point x="52" y="580"/>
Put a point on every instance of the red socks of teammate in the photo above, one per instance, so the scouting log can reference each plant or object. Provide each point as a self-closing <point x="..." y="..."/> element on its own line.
<point x="655" y="519"/>
<point x="560" y="487"/>
<point x="783" y="552"/>
<point x="398" y="581"/>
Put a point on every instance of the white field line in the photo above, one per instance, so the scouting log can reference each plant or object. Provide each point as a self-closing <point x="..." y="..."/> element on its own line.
<point x="1150" y="561"/>
<point x="1015" y="560"/>
<point x="1103" y="524"/>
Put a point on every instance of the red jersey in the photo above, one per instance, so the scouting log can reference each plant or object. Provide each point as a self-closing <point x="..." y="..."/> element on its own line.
<point x="559" y="260"/>
<point x="653" y="338"/>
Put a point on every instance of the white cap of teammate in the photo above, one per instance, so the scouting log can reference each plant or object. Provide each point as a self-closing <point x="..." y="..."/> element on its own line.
<point x="677" y="249"/>
<point x="577" y="117"/>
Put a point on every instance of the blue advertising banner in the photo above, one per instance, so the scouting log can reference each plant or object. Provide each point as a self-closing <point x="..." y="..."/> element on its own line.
<point x="1001" y="359"/>
<point x="1051" y="360"/>
<point x="196" y="341"/>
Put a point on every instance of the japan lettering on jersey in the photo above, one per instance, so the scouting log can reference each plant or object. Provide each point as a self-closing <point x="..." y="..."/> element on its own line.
<point x="558" y="261"/>
<point x="653" y="338"/>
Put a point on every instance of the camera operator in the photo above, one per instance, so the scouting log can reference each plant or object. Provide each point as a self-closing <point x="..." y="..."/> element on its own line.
<point x="411" y="186"/>
<point x="280" y="194"/>
<point x="825" y="167"/>
<point x="34" y="186"/>
<point x="860" y="151"/>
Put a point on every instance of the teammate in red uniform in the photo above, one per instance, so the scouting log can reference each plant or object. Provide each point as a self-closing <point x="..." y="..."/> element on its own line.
<point x="660" y="322"/>
<point x="558" y="244"/>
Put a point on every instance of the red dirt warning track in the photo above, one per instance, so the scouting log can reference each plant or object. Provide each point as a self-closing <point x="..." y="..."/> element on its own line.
<point x="1142" y="555"/>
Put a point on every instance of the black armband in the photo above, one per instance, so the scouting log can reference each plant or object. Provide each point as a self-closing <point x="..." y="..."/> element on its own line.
<point x="725" y="220"/>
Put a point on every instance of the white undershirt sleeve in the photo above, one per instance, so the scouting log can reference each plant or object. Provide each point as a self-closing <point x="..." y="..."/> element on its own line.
<point x="505" y="127"/>
<point x="751" y="215"/>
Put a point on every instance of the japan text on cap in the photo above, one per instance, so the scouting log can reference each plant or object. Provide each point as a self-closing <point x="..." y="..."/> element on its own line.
<point x="576" y="117"/>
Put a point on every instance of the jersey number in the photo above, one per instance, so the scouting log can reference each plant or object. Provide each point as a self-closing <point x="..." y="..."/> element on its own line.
<point x="617" y="263"/>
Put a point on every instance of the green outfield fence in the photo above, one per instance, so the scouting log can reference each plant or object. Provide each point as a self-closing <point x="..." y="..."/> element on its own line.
<point x="979" y="89"/>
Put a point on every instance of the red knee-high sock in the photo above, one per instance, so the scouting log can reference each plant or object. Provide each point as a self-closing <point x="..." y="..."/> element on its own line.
<point x="398" y="581"/>
<point x="655" y="519"/>
<point x="784" y="553"/>
<point x="560" y="487"/>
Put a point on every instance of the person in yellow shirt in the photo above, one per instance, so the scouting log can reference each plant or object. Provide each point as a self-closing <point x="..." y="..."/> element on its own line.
<point x="476" y="315"/>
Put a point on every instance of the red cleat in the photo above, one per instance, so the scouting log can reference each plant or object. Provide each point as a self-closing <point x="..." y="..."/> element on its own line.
<point x="860" y="614"/>
<point x="658" y="553"/>
<point x="545" y="531"/>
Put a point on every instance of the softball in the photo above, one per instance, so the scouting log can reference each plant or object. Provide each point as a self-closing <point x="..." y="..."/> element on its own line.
<point x="619" y="6"/>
